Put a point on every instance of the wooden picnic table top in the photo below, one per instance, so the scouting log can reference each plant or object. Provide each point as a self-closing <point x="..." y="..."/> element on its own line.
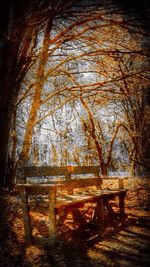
<point x="46" y="188"/>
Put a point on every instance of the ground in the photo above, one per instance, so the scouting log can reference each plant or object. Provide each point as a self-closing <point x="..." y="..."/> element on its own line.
<point x="124" y="245"/>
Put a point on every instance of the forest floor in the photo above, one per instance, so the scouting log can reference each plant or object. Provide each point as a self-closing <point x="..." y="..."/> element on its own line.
<point x="125" y="245"/>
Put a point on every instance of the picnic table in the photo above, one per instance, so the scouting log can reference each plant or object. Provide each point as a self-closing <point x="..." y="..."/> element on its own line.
<point x="69" y="194"/>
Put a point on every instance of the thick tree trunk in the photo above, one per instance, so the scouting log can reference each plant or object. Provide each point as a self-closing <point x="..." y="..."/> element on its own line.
<point x="5" y="124"/>
<point x="145" y="143"/>
<point x="15" y="33"/>
<point x="25" y="152"/>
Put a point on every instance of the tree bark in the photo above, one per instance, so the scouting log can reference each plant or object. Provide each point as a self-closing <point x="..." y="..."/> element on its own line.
<point x="15" y="39"/>
<point x="25" y="152"/>
<point x="103" y="166"/>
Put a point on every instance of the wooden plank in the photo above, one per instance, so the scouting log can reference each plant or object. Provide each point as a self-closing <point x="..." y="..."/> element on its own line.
<point x="121" y="183"/>
<point x="84" y="170"/>
<point x="34" y="189"/>
<point x="25" y="214"/>
<point x="38" y="171"/>
<point x="83" y="182"/>
<point x="52" y="216"/>
<point x="110" y="193"/>
<point x="122" y="204"/>
<point x="80" y="199"/>
<point x="114" y="178"/>
<point x="100" y="213"/>
<point x="76" y="202"/>
<point x="68" y="178"/>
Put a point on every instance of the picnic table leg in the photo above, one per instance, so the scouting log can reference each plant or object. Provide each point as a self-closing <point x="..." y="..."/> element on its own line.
<point x="52" y="216"/>
<point x="122" y="204"/>
<point x="100" y="213"/>
<point x="25" y="214"/>
<point x="109" y="208"/>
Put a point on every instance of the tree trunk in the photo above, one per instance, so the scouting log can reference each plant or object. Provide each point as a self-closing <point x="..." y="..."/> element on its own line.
<point x="25" y="152"/>
<point x="5" y="125"/>
<point x="92" y="133"/>
<point x="15" y="34"/>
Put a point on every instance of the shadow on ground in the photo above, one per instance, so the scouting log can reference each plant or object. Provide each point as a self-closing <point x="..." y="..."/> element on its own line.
<point x="128" y="247"/>
<point x="120" y="246"/>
